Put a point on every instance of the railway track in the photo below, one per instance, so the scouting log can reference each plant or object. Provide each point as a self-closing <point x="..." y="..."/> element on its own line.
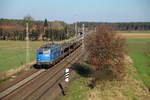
<point x="34" y="87"/>
<point x="17" y="79"/>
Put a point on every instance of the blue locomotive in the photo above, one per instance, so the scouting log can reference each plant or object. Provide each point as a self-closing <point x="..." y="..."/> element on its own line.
<point x="50" y="54"/>
<point x="47" y="54"/>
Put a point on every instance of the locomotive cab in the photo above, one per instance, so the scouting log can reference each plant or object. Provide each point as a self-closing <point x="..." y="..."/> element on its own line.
<point x="46" y="55"/>
<point x="43" y="55"/>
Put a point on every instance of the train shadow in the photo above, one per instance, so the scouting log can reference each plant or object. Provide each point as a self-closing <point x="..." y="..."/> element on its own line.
<point x="42" y="66"/>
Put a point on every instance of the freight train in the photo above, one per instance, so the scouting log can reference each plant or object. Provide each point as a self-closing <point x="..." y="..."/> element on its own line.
<point x="49" y="54"/>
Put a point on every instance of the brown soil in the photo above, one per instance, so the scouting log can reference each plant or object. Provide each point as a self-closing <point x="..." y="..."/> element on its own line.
<point x="134" y="35"/>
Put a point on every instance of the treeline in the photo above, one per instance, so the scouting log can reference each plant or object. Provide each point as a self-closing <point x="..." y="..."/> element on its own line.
<point x="122" y="26"/>
<point x="55" y="34"/>
<point x="58" y="30"/>
<point x="15" y="29"/>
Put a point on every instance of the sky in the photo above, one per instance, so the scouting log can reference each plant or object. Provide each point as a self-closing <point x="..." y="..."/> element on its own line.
<point x="78" y="10"/>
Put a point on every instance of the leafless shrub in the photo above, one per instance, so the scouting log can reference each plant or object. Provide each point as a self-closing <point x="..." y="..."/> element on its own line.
<point x="106" y="52"/>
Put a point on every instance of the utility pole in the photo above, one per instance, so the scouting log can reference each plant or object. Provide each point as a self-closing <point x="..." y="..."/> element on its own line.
<point x="67" y="33"/>
<point x="83" y="28"/>
<point x="27" y="44"/>
<point x="52" y="36"/>
<point x="76" y="31"/>
<point x="95" y="28"/>
<point x="83" y="36"/>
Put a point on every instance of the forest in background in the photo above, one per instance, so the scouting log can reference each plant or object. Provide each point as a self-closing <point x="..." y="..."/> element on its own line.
<point x="120" y="26"/>
<point x="15" y="29"/>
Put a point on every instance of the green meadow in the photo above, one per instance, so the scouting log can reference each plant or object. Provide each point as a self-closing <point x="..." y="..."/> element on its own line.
<point x="13" y="54"/>
<point x="136" y="50"/>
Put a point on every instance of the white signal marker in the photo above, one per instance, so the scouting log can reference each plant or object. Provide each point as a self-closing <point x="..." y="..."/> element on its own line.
<point x="67" y="70"/>
<point x="67" y="75"/>
<point x="67" y="80"/>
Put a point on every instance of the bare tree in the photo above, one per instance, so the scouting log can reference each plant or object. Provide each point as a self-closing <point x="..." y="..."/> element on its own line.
<point x="106" y="53"/>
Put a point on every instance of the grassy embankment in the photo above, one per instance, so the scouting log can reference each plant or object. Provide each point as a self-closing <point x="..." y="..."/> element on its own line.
<point x="131" y="88"/>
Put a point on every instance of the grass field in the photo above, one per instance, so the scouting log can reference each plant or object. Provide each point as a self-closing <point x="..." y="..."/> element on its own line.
<point x="13" y="53"/>
<point x="137" y="43"/>
<point x="136" y="49"/>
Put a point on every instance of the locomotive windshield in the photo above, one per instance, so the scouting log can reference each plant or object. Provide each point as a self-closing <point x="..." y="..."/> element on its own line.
<point x="46" y="51"/>
<point x="40" y="52"/>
